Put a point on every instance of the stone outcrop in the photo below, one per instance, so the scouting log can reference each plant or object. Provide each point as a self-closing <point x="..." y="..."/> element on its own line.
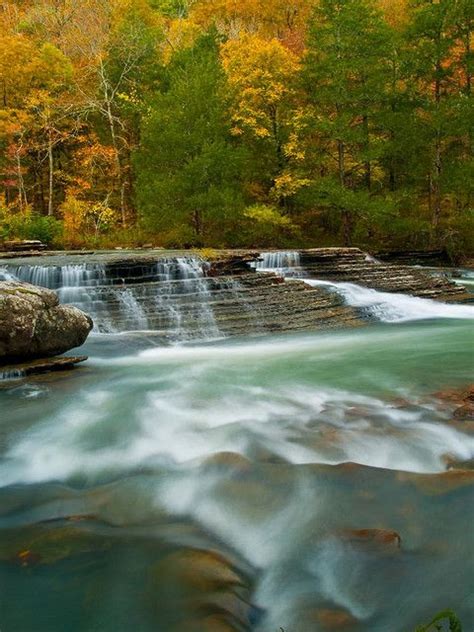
<point x="34" y="325"/>
<point x="415" y="257"/>
<point x="355" y="266"/>
<point x="23" y="245"/>
<point x="36" y="367"/>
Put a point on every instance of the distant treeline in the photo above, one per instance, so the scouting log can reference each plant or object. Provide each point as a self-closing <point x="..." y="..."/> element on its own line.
<point x="250" y="123"/>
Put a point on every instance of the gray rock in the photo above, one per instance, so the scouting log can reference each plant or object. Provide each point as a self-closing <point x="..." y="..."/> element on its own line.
<point x="33" y="324"/>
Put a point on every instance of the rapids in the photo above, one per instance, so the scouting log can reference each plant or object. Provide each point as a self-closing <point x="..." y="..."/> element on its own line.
<point x="264" y="449"/>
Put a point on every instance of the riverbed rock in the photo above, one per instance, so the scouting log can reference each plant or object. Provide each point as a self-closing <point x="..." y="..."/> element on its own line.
<point x="22" y="245"/>
<point x="374" y="537"/>
<point x="34" y="325"/>
<point x="19" y="370"/>
<point x="204" y="590"/>
<point x="334" y="619"/>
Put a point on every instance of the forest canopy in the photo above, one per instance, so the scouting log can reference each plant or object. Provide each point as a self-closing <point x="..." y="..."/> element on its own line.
<point x="217" y="123"/>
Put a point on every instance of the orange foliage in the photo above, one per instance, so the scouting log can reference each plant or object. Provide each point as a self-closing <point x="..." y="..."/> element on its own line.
<point x="282" y="19"/>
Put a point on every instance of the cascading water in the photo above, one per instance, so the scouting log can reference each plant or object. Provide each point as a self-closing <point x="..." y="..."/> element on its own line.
<point x="171" y="296"/>
<point x="148" y="490"/>
<point x="392" y="307"/>
<point x="384" y="306"/>
<point x="286" y="263"/>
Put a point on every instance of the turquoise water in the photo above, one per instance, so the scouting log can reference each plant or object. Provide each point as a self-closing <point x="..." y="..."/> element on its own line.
<point x="129" y="443"/>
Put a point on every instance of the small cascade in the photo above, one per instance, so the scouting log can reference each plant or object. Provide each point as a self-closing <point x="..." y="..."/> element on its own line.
<point x="11" y="374"/>
<point x="171" y="295"/>
<point x="57" y="277"/>
<point x="393" y="307"/>
<point x="285" y="263"/>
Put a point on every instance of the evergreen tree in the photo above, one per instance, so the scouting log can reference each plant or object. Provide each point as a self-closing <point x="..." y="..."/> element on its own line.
<point x="345" y="75"/>
<point x="188" y="171"/>
<point x="431" y="37"/>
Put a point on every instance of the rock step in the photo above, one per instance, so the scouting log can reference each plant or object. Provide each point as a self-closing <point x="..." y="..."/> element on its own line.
<point x="42" y="365"/>
<point x="354" y="266"/>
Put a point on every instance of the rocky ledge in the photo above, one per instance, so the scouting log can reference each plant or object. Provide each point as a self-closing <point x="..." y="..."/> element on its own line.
<point x="355" y="266"/>
<point x="34" y="325"/>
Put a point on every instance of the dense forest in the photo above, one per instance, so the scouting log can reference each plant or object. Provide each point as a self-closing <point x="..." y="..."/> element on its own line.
<point x="214" y="123"/>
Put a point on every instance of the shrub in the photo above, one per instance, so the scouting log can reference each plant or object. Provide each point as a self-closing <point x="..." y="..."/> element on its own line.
<point x="267" y="226"/>
<point x="29" y="225"/>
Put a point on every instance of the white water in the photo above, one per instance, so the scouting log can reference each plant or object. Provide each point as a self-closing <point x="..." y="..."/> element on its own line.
<point x="286" y="263"/>
<point x="133" y="441"/>
<point x="384" y="306"/>
<point x="11" y="374"/>
<point x="392" y="307"/>
<point x="160" y="298"/>
<point x="177" y="405"/>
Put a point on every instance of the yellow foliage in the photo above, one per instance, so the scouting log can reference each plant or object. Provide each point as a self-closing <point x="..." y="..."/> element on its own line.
<point x="181" y="33"/>
<point x="287" y="184"/>
<point x="260" y="74"/>
<point x="72" y="211"/>
<point x="269" y="215"/>
<point x="282" y="19"/>
<point x="81" y="218"/>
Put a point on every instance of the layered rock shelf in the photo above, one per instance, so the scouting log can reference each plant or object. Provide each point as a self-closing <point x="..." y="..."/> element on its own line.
<point x="183" y="295"/>
<point x="355" y="266"/>
<point x="36" y="367"/>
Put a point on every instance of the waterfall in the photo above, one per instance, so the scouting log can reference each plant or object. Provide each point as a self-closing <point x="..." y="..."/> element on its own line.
<point x="11" y="374"/>
<point x="393" y="307"/>
<point x="286" y="263"/>
<point x="172" y="295"/>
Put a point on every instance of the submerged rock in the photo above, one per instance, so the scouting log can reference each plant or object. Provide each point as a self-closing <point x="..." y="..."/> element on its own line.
<point x="334" y="619"/>
<point x="459" y="401"/>
<point x="204" y="591"/>
<point x="33" y="324"/>
<point x="376" y="537"/>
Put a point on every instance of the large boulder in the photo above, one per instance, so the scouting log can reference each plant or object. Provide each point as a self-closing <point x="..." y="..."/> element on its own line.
<point x="33" y="324"/>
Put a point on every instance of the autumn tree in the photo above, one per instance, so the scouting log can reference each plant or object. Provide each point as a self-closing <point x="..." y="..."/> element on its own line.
<point x="261" y="78"/>
<point x="284" y="20"/>
<point x="34" y="114"/>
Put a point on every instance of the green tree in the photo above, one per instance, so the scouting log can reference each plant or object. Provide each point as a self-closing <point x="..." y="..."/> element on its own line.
<point x="188" y="171"/>
<point x="434" y="35"/>
<point x="345" y="75"/>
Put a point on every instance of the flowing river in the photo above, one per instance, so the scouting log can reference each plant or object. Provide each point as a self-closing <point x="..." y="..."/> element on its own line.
<point x="227" y="484"/>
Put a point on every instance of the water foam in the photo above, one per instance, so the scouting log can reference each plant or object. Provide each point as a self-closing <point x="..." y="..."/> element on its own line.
<point x="171" y="295"/>
<point x="394" y="308"/>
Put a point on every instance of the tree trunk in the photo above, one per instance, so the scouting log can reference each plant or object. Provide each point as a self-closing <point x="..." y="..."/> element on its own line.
<point x="367" y="165"/>
<point x="22" y="198"/>
<point x="347" y="228"/>
<point x="113" y="136"/>
<point x="197" y="222"/>
<point x="51" y="173"/>
<point x="437" y="185"/>
<point x="346" y="215"/>
<point x="341" y="163"/>
<point x="437" y="166"/>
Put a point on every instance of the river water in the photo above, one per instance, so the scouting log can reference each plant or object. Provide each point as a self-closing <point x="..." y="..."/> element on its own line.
<point x="267" y="452"/>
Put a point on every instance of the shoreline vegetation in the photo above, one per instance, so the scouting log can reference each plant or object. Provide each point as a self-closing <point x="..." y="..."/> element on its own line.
<point x="204" y="123"/>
